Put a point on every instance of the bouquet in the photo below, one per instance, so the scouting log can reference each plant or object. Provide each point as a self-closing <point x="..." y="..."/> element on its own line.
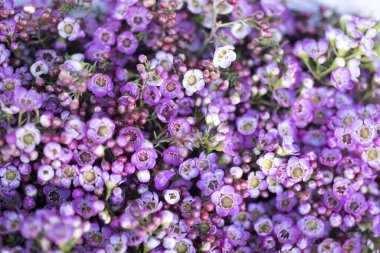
<point x="183" y="126"/>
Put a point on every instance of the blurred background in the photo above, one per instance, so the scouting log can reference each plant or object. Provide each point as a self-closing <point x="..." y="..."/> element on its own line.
<point x="362" y="7"/>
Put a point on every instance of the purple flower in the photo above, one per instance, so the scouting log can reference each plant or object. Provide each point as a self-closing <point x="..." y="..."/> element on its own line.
<point x="311" y="226"/>
<point x="364" y="132"/>
<point x="352" y="245"/>
<point x="330" y="157"/>
<point x="170" y="88"/>
<point x="4" y="53"/>
<point x="179" y="127"/>
<point x="172" y="156"/>
<point x="90" y="178"/>
<point x="256" y="183"/>
<point x="138" y="18"/>
<point x="144" y="158"/>
<point x="27" y="100"/>
<point x="286" y="232"/>
<point x="329" y="246"/>
<point x="356" y="204"/>
<point x="161" y="180"/>
<point x="313" y="48"/>
<point x="27" y="137"/>
<point x="247" y="124"/>
<point x="105" y="36"/>
<point x="150" y="201"/>
<point x="189" y="169"/>
<point x="10" y="177"/>
<point x="100" y="130"/>
<point x="298" y="169"/>
<point x="88" y="206"/>
<point x="166" y="110"/>
<point x="151" y="95"/>
<point x="284" y="97"/>
<point x="226" y="200"/>
<point x="263" y="226"/>
<point x="302" y="112"/>
<point x="100" y="85"/>
<point x="127" y="43"/>
<point x="130" y="137"/>
<point x="211" y="180"/>
<point x="341" y="79"/>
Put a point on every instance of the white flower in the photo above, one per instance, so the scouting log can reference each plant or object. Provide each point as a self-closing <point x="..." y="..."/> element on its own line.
<point x="212" y="119"/>
<point x="193" y="81"/>
<point x="224" y="56"/>
<point x="240" y="30"/>
<point x="39" y="68"/>
<point x="224" y="8"/>
<point x="69" y="29"/>
<point x="196" y="6"/>
<point x="171" y="196"/>
<point x="27" y="137"/>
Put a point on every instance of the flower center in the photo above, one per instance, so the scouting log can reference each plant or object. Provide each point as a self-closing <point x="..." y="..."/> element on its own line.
<point x="267" y="164"/>
<point x="54" y="196"/>
<point x="85" y="157"/>
<point x="103" y="131"/>
<point x="68" y="28"/>
<point x="297" y="172"/>
<point x="101" y="81"/>
<point x="365" y="132"/>
<point x="143" y="156"/>
<point x="373" y="154"/>
<point x="9" y="85"/>
<point x="254" y="182"/>
<point x="192" y="80"/>
<point x="11" y="175"/>
<point x="69" y="172"/>
<point x="28" y="139"/>
<point x="265" y="228"/>
<point x="312" y="224"/>
<point x="96" y="237"/>
<point x="181" y="247"/>
<point x="222" y="53"/>
<point x="226" y="202"/>
<point x="89" y="176"/>
<point x="214" y="184"/>
<point x="247" y="127"/>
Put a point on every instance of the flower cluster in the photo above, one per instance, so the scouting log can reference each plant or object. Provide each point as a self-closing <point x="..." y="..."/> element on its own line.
<point x="175" y="126"/>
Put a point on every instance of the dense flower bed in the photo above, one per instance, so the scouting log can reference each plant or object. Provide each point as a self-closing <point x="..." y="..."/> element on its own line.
<point x="172" y="126"/>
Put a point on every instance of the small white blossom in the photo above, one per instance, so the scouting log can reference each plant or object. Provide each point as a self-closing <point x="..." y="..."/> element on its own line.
<point x="212" y="119"/>
<point x="240" y="30"/>
<point x="171" y="196"/>
<point x="224" y="56"/>
<point x="69" y="29"/>
<point x="193" y="81"/>
<point x="39" y="68"/>
<point x="223" y="7"/>
<point x="196" y="6"/>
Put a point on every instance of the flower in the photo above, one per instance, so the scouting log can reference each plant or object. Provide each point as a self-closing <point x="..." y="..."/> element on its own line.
<point x="100" y="85"/>
<point x="315" y="49"/>
<point x="247" y="124"/>
<point x="27" y="137"/>
<point x="69" y="29"/>
<point x="100" y="129"/>
<point x="311" y="226"/>
<point x="27" y="100"/>
<point x="127" y="43"/>
<point x="193" y="81"/>
<point x="144" y="158"/>
<point x="10" y="177"/>
<point x="226" y="200"/>
<point x="211" y="180"/>
<point x="138" y="18"/>
<point x="256" y="183"/>
<point x="224" y="56"/>
<point x="4" y="53"/>
<point x="298" y="169"/>
<point x="341" y="79"/>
